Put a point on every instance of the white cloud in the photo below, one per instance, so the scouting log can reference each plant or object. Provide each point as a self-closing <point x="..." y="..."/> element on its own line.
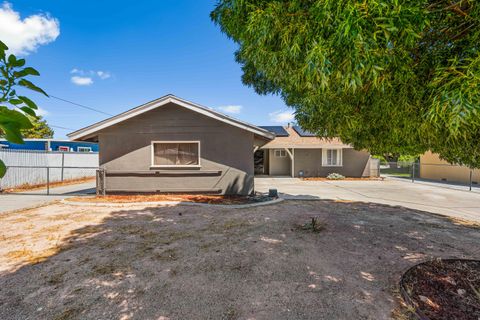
<point x="85" y="78"/>
<point x="81" y="81"/>
<point x="282" y="116"/>
<point x="231" y="109"/>
<point x="41" y="112"/>
<point x="103" y="74"/>
<point x="23" y="36"/>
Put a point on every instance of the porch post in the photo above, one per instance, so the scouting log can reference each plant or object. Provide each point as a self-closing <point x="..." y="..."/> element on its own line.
<point x="293" y="163"/>
<point x="291" y="154"/>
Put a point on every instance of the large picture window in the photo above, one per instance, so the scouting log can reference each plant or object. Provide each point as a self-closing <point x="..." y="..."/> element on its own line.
<point x="175" y="154"/>
<point x="332" y="157"/>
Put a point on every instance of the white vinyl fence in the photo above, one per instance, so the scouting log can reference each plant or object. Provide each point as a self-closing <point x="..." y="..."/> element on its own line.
<point x="29" y="167"/>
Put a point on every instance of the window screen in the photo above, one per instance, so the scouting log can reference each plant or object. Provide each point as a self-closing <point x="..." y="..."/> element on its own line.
<point x="332" y="157"/>
<point x="175" y="153"/>
<point x="280" y="153"/>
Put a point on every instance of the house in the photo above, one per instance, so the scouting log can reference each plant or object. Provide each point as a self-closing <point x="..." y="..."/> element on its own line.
<point x="433" y="168"/>
<point x="173" y="145"/>
<point x="297" y="153"/>
<point x="50" y="145"/>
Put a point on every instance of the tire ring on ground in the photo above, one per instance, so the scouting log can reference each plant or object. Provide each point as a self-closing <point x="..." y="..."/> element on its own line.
<point x="403" y="290"/>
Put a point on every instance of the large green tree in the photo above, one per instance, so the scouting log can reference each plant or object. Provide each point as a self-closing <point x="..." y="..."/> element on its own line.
<point x="39" y="130"/>
<point x="390" y="76"/>
<point x="16" y="110"/>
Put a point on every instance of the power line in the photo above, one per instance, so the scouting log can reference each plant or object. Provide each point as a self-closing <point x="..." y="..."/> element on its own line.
<point x="59" y="127"/>
<point x="81" y="105"/>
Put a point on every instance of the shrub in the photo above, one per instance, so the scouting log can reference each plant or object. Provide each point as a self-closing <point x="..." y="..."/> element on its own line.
<point x="335" y="176"/>
<point x="315" y="225"/>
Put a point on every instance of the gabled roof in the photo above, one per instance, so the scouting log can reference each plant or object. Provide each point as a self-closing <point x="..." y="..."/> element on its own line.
<point x="295" y="140"/>
<point x="90" y="131"/>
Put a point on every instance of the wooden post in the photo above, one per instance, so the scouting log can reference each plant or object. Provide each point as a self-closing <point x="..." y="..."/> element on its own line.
<point x="100" y="182"/>
<point x="471" y="176"/>
<point x="293" y="163"/>
<point x="104" y="187"/>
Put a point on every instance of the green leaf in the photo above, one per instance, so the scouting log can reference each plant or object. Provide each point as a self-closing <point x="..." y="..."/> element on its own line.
<point x="3" y="49"/>
<point x="12" y="132"/>
<point x="31" y="86"/>
<point x="28" y="71"/>
<point x="28" y="102"/>
<point x="15" y="102"/>
<point x="28" y="111"/>
<point x="3" y="169"/>
<point x="3" y="46"/>
<point x="8" y="116"/>
<point x="14" y="62"/>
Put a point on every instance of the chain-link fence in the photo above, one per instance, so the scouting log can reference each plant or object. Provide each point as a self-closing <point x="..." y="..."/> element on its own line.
<point x="453" y="175"/>
<point x="28" y="170"/>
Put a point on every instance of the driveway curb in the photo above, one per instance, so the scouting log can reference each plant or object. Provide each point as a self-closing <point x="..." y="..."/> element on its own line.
<point x="171" y="203"/>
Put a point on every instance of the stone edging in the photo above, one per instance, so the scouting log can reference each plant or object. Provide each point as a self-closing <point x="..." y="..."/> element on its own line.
<point x="171" y="203"/>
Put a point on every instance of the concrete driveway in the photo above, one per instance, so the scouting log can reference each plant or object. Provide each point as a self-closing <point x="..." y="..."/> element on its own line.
<point x="426" y="197"/>
<point x="34" y="198"/>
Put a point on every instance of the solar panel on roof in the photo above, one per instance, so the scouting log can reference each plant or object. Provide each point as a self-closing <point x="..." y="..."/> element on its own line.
<point x="303" y="133"/>
<point x="278" y="130"/>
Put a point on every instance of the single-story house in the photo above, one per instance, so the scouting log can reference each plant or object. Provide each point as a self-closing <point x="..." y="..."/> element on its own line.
<point x="50" y="145"/>
<point x="297" y="153"/>
<point x="433" y="168"/>
<point x="173" y="145"/>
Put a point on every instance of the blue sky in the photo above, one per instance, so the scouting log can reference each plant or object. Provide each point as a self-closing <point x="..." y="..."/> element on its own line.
<point x="115" y="55"/>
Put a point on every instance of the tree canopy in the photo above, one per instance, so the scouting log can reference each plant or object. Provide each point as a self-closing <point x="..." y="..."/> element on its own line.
<point x="39" y="130"/>
<point x="389" y="76"/>
<point x="16" y="111"/>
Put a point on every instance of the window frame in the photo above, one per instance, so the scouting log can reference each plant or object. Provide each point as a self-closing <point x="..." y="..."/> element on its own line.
<point x="339" y="157"/>
<point x="152" y="155"/>
<point x="281" y="151"/>
<point x="86" y="149"/>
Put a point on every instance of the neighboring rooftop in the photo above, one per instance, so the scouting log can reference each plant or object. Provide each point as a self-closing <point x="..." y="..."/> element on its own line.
<point x="303" y="133"/>
<point x="278" y="130"/>
<point x="294" y="139"/>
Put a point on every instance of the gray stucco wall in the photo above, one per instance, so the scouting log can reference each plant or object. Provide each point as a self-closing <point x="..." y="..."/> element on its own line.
<point x="226" y="154"/>
<point x="278" y="166"/>
<point x="355" y="163"/>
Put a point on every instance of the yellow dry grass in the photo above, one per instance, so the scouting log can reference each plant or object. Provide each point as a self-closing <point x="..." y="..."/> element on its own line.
<point x="27" y="187"/>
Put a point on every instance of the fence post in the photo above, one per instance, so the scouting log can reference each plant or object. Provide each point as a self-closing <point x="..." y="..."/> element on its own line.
<point x="471" y="174"/>
<point x="48" y="180"/>
<point x="63" y="164"/>
<point x="413" y="172"/>
<point x="101" y="182"/>
<point x="104" y="186"/>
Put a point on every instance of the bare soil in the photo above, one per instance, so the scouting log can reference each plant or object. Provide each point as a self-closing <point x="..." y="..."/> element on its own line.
<point x="210" y="199"/>
<point x="445" y="289"/>
<point x="186" y="262"/>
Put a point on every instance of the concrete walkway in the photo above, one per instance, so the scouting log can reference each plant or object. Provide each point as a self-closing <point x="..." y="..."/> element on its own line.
<point x="420" y="196"/>
<point x="29" y="199"/>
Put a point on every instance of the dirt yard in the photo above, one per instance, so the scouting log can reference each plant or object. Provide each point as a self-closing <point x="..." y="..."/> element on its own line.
<point x="69" y="262"/>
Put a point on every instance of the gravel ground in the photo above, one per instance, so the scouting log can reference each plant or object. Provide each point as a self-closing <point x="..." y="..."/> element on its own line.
<point x="65" y="262"/>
